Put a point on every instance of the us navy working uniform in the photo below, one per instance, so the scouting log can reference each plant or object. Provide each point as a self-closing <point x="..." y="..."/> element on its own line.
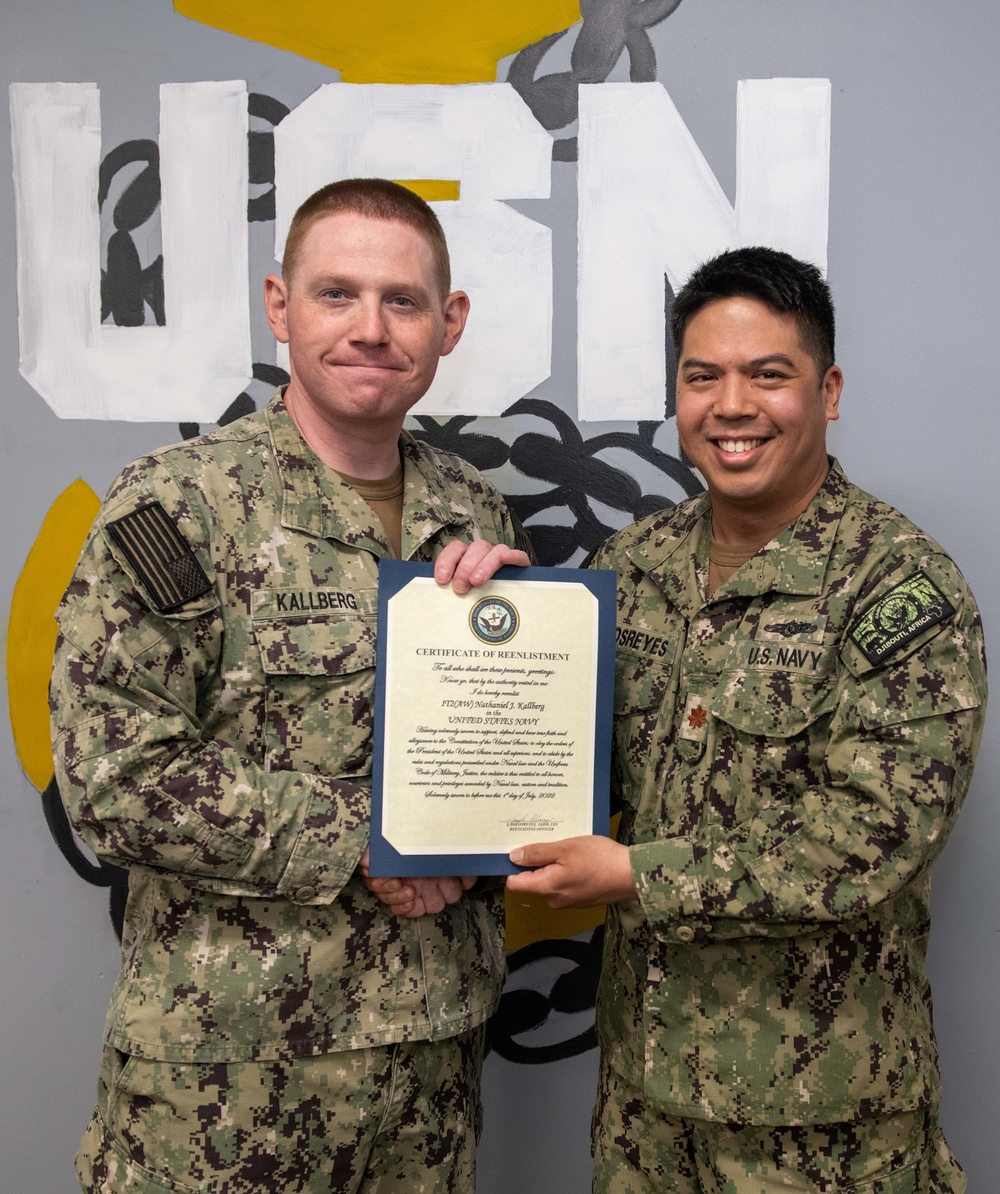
<point x="790" y="752"/>
<point x="212" y="699"/>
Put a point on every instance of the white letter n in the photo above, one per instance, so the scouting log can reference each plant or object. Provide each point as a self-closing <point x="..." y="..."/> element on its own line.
<point x="649" y="206"/>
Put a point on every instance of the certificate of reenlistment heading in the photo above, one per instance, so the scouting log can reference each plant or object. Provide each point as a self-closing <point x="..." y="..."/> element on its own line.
<point x="492" y="716"/>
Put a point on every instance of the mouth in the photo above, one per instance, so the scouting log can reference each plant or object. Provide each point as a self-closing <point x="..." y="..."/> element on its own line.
<point x="738" y="447"/>
<point x="367" y="366"/>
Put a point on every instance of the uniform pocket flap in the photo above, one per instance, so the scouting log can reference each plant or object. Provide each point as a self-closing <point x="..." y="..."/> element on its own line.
<point x="639" y="684"/>
<point x="774" y="704"/>
<point x="316" y="647"/>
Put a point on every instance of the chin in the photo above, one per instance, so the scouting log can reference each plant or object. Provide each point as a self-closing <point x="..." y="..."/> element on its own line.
<point x="731" y="489"/>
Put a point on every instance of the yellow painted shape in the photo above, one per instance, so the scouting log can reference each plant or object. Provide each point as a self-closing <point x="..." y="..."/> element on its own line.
<point x="530" y="919"/>
<point x="370" y="41"/>
<point x="31" y="632"/>
<point x="431" y="189"/>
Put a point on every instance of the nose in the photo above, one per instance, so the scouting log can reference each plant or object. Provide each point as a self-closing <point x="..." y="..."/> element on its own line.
<point x="734" y="398"/>
<point x="369" y="326"/>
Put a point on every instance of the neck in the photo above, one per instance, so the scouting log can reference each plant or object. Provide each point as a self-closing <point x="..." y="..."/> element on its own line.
<point x="367" y="450"/>
<point x="736" y="523"/>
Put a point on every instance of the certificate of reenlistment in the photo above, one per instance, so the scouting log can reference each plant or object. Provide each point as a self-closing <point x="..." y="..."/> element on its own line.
<point x="492" y="716"/>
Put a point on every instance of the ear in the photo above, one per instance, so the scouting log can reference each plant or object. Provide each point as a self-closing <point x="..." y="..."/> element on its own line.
<point x="276" y="306"/>
<point x="833" y="383"/>
<point x="456" y="312"/>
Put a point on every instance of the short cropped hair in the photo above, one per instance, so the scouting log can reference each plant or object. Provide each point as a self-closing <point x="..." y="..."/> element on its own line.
<point x="780" y="281"/>
<point x="378" y="199"/>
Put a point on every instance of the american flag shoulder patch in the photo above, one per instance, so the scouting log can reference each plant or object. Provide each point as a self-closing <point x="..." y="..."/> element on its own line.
<point x="161" y="557"/>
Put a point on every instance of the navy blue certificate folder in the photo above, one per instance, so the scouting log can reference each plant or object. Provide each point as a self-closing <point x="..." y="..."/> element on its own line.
<point x="492" y="716"/>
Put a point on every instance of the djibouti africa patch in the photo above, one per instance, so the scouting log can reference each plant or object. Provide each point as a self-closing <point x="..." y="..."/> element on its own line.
<point x="899" y="616"/>
<point x="161" y="557"/>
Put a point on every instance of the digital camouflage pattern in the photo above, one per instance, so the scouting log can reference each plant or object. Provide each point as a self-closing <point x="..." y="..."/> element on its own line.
<point x="221" y="750"/>
<point x="636" y="1153"/>
<point x="783" y="799"/>
<point x="305" y="1125"/>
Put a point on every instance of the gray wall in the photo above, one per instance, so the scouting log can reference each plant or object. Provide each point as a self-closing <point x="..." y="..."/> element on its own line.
<point x="914" y="264"/>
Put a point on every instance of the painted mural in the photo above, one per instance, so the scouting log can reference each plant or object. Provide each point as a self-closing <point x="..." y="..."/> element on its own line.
<point x="418" y="100"/>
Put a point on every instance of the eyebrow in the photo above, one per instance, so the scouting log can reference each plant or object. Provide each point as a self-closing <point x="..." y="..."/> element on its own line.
<point x="774" y="358"/>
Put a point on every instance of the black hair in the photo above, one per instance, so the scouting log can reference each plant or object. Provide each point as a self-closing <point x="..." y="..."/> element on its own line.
<point x="780" y="281"/>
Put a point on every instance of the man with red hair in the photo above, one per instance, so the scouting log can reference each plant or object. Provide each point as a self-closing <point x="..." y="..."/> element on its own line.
<point x="275" y="1026"/>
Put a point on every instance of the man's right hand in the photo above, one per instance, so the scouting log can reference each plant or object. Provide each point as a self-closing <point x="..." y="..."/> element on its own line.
<point x="576" y="872"/>
<point x="469" y="565"/>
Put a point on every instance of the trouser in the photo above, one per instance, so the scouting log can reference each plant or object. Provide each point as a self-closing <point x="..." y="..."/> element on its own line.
<point x="638" y="1150"/>
<point x="399" y="1118"/>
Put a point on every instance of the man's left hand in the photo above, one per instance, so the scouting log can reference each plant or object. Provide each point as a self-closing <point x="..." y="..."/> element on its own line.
<point x="420" y="895"/>
<point x="577" y="872"/>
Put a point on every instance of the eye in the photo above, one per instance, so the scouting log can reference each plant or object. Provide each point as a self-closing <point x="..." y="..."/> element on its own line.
<point x="401" y="300"/>
<point x="334" y="293"/>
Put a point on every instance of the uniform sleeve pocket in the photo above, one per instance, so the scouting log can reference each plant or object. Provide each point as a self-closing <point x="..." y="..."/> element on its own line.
<point x="912" y="690"/>
<point x="112" y="733"/>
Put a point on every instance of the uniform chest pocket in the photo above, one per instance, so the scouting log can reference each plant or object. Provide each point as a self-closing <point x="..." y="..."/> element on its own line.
<point x="319" y="680"/>
<point x="641" y="689"/>
<point x="773" y="735"/>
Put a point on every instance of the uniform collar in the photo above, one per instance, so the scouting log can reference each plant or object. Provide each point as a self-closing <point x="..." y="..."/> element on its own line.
<point x="670" y="553"/>
<point x="675" y="554"/>
<point x="317" y="501"/>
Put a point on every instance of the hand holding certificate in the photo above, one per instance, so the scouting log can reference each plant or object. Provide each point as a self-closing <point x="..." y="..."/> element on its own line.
<point x="493" y="715"/>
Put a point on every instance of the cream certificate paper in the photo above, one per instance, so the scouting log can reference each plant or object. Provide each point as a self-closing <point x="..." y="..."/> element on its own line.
<point x="489" y="715"/>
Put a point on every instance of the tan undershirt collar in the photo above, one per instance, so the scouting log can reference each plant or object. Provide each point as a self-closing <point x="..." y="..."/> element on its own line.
<point x="385" y="497"/>
<point x="726" y="558"/>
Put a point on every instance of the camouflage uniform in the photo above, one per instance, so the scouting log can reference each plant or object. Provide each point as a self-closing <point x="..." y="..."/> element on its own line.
<point x="212" y="721"/>
<point x="790" y="754"/>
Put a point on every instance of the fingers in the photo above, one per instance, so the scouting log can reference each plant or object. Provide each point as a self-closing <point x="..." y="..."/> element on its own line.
<point x="438" y="892"/>
<point x="448" y="561"/>
<point x="468" y="566"/>
<point x="451" y="889"/>
<point x="398" y="895"/>
<point x="363" y="864"/>
<point x="537" y="882"/>
<point x="477" y="572"/>
<point x="540" y="854"/>
<point x="421" y="895"/>
<point x="432" y="896"/>
<point x="557" y="888"/>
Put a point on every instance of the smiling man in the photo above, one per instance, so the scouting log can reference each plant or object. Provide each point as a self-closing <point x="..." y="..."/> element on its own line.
<point x="788" y="768"/>
<point x="275" y="1027"/>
